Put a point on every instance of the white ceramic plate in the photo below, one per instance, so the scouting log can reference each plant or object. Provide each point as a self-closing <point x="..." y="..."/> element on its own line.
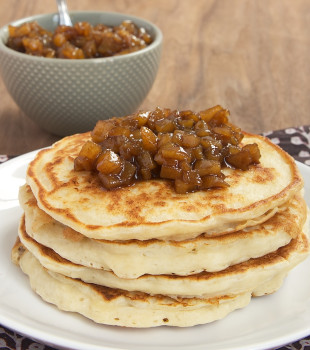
<point x="268" y="321"/>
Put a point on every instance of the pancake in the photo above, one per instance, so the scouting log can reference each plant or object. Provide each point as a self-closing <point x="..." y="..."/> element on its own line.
<point x="248" y="276"/>
<point x="128" y="309"/>
<point x="152" y="209"/>
<point x="131" y="259"/>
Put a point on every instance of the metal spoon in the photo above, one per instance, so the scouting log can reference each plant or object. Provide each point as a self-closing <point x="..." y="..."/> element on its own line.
<point x="64" y="18"/>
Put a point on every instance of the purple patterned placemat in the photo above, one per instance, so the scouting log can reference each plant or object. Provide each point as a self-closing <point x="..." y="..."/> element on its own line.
<point x="295" y="141"/>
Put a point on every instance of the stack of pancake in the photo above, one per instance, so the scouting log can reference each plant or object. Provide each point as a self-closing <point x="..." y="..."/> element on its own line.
<point x="143" y="255"/>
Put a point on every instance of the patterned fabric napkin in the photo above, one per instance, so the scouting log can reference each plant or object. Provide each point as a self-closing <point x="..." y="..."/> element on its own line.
<point x="295" y="141"/>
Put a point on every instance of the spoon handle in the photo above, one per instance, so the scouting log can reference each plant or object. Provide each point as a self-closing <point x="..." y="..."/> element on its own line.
<point x="64" y="18"/>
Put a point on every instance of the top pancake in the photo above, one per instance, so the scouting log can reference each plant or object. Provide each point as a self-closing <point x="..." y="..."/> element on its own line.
<point x="152" y="209"/>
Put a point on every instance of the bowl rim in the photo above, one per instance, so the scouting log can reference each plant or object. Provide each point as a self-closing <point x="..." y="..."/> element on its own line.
<point x="155" y="43"/>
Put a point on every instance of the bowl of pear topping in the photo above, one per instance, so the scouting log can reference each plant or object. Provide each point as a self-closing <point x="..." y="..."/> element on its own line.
<point x="66" y="78"/>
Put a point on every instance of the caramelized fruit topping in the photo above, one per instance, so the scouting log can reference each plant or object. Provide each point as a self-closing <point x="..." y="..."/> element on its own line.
<point x="80" y="41"/>
<point x="187" y="148"/>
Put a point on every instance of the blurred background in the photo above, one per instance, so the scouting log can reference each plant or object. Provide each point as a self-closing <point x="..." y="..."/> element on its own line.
<point x="252" y="57"/>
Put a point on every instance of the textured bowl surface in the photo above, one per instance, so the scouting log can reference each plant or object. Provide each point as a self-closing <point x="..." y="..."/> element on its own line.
<point x="69" y="96"/>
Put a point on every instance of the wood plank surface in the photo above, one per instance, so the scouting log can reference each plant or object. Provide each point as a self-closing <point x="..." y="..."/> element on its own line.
<point x="252" y="57"/>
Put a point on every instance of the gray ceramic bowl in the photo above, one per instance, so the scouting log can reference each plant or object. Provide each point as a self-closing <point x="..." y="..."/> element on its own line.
<point x="68" y="96"/>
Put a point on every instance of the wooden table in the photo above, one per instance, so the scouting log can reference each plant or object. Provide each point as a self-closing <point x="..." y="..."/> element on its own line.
<point x="250" y="56"/>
